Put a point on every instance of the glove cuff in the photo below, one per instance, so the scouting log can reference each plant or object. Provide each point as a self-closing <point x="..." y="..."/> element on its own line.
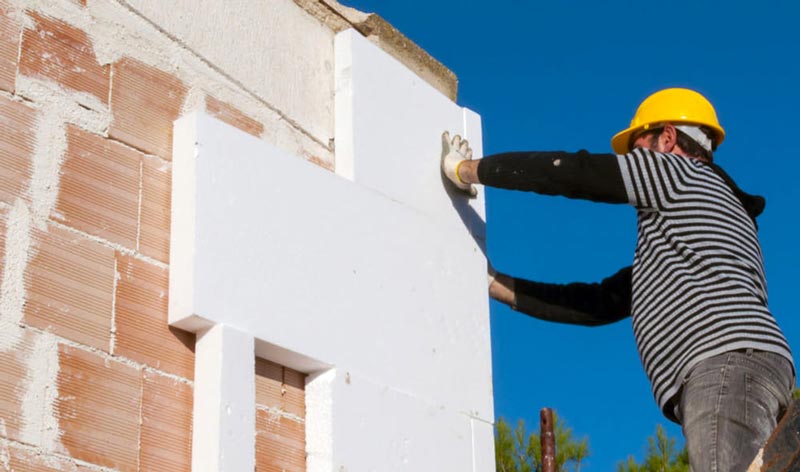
<point x="455" y="171"/>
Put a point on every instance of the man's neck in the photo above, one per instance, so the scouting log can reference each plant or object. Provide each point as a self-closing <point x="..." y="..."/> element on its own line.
<point x="677" y="150"/>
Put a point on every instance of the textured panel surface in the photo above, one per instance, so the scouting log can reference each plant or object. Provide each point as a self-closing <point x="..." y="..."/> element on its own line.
<point x="155" y="218"/>
<point x="280" y="443"/>
<point x="280" y="387"/>
<point x="294" y="392"/>
<point x="166" y="425"/>
<point x="141" y="320"/>
<point x="269" y="384"/>
<point x="227" y="113"/>
<point x="145" y="101"/>
<point x="483" y="457"/>
<point x="9" y="46"/>
<point x="70" y="285"/>
<point x="59" y="52"/>
<point x="404" y="433"/>
<point x="17" y="132"/>
<point x="99" y="190"/>
<point x="98" y="409"/>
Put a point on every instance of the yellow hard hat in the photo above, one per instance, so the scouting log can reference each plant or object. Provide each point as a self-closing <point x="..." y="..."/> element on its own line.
<point x="672" y="105"/>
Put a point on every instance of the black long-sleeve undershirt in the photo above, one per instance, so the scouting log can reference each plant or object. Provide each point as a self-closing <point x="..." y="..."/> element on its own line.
<point x="576" y="303"/>
<point x="581" y="175"/>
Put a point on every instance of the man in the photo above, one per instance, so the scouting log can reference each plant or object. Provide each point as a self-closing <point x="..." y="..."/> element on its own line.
<point x="717" y="361"/>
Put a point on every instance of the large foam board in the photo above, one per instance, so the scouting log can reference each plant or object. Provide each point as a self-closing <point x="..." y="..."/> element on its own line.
<point x="375" y="271"/>
<point x="388" y="133"/>
<point x="313" y="263"/>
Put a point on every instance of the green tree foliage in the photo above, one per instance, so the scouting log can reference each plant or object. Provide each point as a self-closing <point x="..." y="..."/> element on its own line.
<point x="517" y="450"/>
<point x="796" y="394"/>
<point x="662" y="456"/>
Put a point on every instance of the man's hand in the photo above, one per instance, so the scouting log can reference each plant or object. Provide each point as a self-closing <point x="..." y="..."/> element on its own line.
<point x="501" y="287"/>
<point x="455" y="153"/>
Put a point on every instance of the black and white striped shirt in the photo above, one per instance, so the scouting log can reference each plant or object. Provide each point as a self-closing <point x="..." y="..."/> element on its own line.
<point x="697" y="287"/>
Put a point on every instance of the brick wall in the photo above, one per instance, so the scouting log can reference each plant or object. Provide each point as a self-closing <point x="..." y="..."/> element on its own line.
<point x="91" y="376"/>
<point x="280" y="418"/>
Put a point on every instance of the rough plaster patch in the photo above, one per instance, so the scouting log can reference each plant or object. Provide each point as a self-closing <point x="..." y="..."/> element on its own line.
<point x="195" y="100"/>
<point x="278" y="130"/>
<point x="198" y="73"/>
<point x="276" y="414"/>
<point x="108" y="358"/>
<point x="5" y="456"/>
<point x="51" y="145"/>
<point x="116" y="31"/>
<point x="40" y="422"/>
<point x="104" y="21"/>
<point x="57" y="108"/>
<point x="12" y="292"/>
<point x="54" y="461"/>
<point x="319" y="421"/>
<point x="283" y="137"/>
<point x="163" y="166"/>
<point x="113" y="337"/>
<point x="70" y="12"/>
<point x="79" y="108"/>
<point x="16" y="11"/>
<point x="148" y="369"/>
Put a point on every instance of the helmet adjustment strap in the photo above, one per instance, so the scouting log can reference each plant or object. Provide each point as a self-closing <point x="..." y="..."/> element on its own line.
<point x="697" y="135"/>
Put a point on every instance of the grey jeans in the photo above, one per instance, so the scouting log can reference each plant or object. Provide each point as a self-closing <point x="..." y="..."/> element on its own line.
<point x="729" y="406"/>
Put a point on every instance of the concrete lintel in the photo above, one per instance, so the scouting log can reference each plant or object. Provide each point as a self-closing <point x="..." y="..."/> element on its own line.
<point x="339" y="18"/>
<point x="223" y="438"/>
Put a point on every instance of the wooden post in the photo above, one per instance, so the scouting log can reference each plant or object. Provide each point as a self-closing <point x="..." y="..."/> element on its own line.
<point x="548" y="440"/>
<point x="782" y="452"/>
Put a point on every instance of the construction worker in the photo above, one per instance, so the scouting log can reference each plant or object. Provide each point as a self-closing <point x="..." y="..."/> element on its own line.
<point x="717" y="361"/>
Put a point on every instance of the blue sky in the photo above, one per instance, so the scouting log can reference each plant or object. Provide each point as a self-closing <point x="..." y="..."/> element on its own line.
<point x="567" y="75"/>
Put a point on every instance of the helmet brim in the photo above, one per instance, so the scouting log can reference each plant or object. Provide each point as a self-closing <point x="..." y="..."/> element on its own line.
<point x="621" y="141"/>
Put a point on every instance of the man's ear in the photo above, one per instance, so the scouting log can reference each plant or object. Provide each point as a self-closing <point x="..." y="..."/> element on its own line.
<point x="668" y="139"/>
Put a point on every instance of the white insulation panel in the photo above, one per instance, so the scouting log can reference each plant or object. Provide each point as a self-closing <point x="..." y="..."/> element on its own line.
<point x="375" y="272"/>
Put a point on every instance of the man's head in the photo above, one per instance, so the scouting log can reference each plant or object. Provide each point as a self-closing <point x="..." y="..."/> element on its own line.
<point x="673" y="120"/>
<point x="677" y="139"/>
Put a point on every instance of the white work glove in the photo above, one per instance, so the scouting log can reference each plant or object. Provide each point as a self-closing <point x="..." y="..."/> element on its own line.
<point x="454" y="153"/>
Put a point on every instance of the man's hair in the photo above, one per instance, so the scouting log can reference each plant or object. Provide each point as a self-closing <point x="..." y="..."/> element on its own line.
<point x="689" y="145"/>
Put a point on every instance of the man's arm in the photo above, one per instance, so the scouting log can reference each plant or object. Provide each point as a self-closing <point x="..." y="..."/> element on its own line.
<point x="576" y="303"/>
<point x="583" y="175"/>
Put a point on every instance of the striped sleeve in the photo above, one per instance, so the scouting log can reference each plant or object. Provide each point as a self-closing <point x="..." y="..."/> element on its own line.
<point x="649" y="177"/>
